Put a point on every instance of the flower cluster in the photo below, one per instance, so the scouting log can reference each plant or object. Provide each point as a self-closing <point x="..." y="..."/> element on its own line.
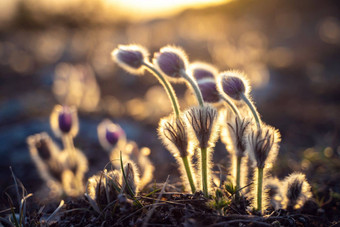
<point x="224" y="110"/>
<point x="253" y="145"/>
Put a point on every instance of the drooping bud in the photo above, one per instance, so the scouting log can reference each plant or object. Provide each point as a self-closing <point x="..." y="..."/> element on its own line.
<point x="203" y="122"/>
<point x="174" y="135"/>
<point x="64" y="120"/>
<point x="202" y="70"/>
<point x="110" y="134"/>
<point x="263" y="145"/>
<point x="297" y="191"/>
<point x="209" y="90"/>
<point x="171" y="61"/>
<point x="233" y="83"/>
<point x="130" y="58"/>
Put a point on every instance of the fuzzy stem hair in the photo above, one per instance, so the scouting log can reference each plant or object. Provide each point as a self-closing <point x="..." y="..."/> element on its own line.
<point x="253" y="110"/>
<point x="194" y="86"/>
<point x="204" y="168"/>
<point x="259" y="188"/>
<point x="189" y="173"/>
<point x="167" y="86"/>
<point x="231" y="105"/>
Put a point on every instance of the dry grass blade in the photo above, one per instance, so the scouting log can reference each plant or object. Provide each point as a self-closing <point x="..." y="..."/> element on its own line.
<point x="127" y="183"/>
<point x="56" y="211"/>
<point x="16" y="185"/>
<point x="154" y="205"/>
<point x="23" y="208"/>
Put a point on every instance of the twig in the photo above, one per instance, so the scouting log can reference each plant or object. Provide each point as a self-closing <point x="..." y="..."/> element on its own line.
<point x="154" y="206"/>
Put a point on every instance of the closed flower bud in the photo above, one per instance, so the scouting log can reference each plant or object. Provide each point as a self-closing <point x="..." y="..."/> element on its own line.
<point x="209" y="90"/>
<point x="297" y="191"/>
<point x="171" y="61"/>
<point x="203" y="122"/>
<point x="233" y="84"/>
<point x="130" y="58"/>
<point x="201" y="70"/>
<point x="174" y="135"/>
<point x="43" y="144"/>
<point x="64" y="120"/>
<point x="110" y="134"/>
<point x="235" y="132"/>
<point x="263" y="145"/>
<point x="103" y="188"/>
<point x="45" y="155"/>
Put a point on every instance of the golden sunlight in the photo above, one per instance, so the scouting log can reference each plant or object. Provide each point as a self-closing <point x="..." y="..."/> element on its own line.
<point x="146" y="9"/>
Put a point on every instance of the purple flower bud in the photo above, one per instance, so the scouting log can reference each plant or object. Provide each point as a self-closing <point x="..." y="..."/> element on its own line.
<point x="209" y="90"/>
<point x="113" y="134"/>
<point x="110" y="135"/>
<point x="233" y="84"/>
<point x="234" y="87"/>
<point x="131" y="58"/>
<point x="65" y="120"/>
<point x="203" y="70"/>
<point x="171" y="61"/>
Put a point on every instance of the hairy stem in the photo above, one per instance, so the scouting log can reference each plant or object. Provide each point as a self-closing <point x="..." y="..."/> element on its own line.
<point x="231" y="105"/>
<point x="259" y="188"/>
<point x="253" y="110"/>
<point x="238" y="173"/>
<point x="194" y="86"/>
<point x="189" y="174"/>
<point x="67" y="142"/>
<point x="204" y="169"/>
<point x="167" y="86"/>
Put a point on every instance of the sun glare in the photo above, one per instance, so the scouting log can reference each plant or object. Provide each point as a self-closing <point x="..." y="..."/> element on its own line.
<point x="146" y="9"/>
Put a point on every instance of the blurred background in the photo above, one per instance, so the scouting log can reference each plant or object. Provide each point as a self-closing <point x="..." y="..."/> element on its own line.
<point x="58" y="51"/>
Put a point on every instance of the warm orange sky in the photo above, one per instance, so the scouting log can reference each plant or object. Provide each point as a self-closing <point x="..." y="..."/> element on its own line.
<point x="146" y="9"/>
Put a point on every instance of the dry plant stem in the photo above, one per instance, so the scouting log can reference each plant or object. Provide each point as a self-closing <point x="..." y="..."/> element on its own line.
<point x="259" y="188"/>
<point x="231" y="105"/>
<point x="167" y="86"/>
<point x="194" y="86"/>
<point x="204" y="168"/>
<point x="188" y="171"/>
<point x="253" y="110"/>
